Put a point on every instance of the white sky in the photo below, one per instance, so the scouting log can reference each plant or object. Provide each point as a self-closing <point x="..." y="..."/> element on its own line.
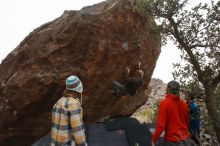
<point x="20" y="17"/>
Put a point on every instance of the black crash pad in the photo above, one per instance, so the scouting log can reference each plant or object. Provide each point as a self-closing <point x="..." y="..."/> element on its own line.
<point x="44" y="141"/>
<point x="96" y="135"/>
<point x="139" y="135"/>
<point x="120" y="123"/>
<point x="99" y="136"/>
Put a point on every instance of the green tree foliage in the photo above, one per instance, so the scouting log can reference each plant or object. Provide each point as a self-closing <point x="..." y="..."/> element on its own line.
<point x="195" y="31"/>
<point x="195" y="88"/>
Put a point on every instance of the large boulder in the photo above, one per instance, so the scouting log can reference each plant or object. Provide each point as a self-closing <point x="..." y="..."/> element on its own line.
<point x="95" y="43"/>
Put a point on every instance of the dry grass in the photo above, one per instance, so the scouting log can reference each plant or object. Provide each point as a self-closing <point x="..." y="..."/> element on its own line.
<point x="145" y="115"/>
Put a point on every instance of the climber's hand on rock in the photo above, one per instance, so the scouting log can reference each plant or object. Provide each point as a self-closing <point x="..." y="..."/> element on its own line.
<point x="128" y="70"/>
<point x="139" y="65"/>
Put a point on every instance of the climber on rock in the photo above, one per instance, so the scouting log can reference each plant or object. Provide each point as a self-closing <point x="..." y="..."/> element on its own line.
<point x="132" y="84"/>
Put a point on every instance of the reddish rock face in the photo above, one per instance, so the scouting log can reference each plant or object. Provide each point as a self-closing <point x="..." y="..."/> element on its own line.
<point x="95" y="43"/>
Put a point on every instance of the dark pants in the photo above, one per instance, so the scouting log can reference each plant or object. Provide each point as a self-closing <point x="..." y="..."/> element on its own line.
<point x="118" y="88"/>
<point x="194" y="126"/>
<point x="195" y="131"/>
<point x="187" y="142"/>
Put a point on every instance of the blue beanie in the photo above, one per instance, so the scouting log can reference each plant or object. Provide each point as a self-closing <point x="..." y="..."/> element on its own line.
<point x="73" y="83"/>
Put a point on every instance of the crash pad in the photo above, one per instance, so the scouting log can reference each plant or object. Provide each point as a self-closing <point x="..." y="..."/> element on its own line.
<point x="44" y="141"/>
<point x="99" y="136"/>
<point x="120" y="123"/>
<point x="139" y="135"/>
<point x="129" y="133"/>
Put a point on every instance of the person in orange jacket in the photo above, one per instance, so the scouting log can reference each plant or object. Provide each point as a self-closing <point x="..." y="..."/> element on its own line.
<point x="173" y="118"/>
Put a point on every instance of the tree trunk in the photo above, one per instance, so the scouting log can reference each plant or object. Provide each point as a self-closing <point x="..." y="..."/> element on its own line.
<point x="211" y="104"/>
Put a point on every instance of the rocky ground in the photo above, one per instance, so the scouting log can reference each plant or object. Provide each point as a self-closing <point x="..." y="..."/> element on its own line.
<point x="148" y="113"/>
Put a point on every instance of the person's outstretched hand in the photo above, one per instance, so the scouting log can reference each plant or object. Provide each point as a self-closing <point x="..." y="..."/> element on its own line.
<point x="139" y="65"/>
<point x="128" y="70"/>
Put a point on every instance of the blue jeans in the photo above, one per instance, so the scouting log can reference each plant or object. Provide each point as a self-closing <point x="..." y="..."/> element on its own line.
<point x="194" y="126"/>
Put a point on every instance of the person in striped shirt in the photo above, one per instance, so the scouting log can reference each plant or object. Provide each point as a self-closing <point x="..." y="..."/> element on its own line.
<point x="67" y="125"/>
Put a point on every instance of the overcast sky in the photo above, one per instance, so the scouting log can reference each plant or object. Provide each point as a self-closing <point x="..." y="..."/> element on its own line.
<point x="20" y="17"/>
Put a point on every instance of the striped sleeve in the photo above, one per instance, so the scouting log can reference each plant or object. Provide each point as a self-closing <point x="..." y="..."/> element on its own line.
<point x="77" y="123"/>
